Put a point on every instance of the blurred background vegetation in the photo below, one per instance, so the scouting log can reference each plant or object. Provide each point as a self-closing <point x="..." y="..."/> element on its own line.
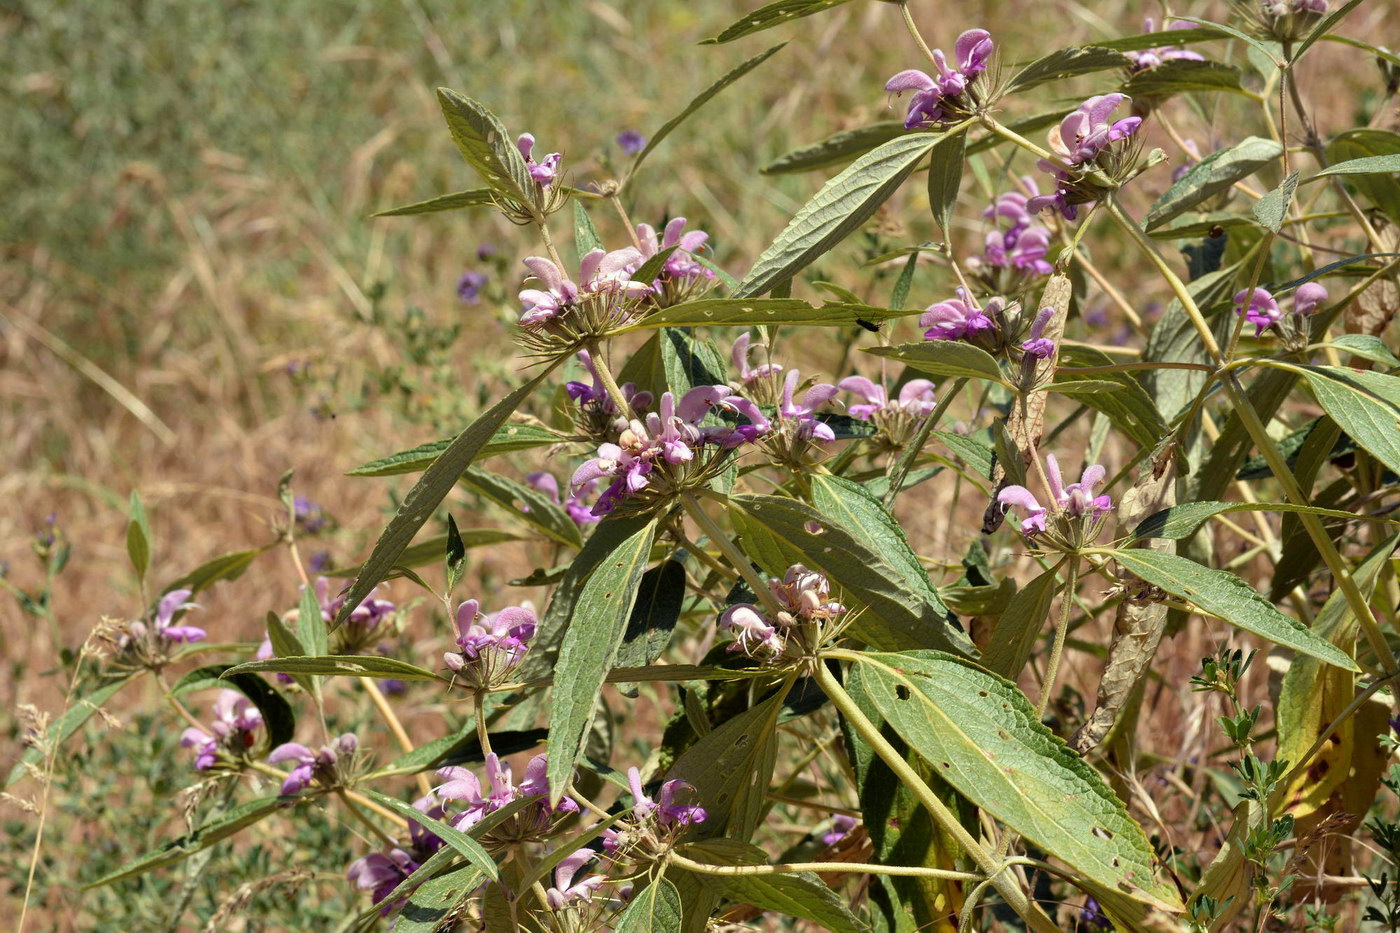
<point x="194" y="298"/>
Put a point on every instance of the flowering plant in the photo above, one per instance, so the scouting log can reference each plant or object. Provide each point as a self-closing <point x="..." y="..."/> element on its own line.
<point x="849" y="731"/>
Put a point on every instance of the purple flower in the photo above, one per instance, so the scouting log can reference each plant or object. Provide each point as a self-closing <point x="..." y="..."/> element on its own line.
<point x="915" y="398"/>
<point x="469" y="286"/>
<point x="309" y="516"/>
<point x="803" y="596"/>
<point x="1261" y="310"/>
<point x="319" y="765"/>
<point x="955" y="319"/>
<point x="631" y="142"/>
<point x="235" y="722"/>
<point x="1092" y="915"/>
<point x="1075" y="500"/>
<point x="566" y="889"/>
<point x="754" y="635"/>
<point x="544" y="173"/>
<point x="841" y="826"/>
<point x="1307" y="298"/>
<point x="681" y="264"/>
<point x="367" y="615"/>
<point x="1087" y="131"/>
<point x="740" y="355"/>
<point x="463" y="786"/>
<point x="669" y="807"/>
<point x="597" y="395"/>
<point x="932" y="104"/>
<point x="491" y="646"/>
<point x="575" y="506"/>
<point x="602" y="273"/>
<point x="1024" y="245"/>
<point x="485" y="251"/>
<point x="802" y="414"/>
<point x="1146" y="59"/>
<point x="1038" y="346"/>
<point x="265" y="652"/>
<point x="171" y="603"/>
<point x="380" y="873"/>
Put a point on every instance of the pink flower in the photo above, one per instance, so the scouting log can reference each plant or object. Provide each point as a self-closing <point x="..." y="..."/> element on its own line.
<point x="915" y="398"/>
<point x="1261" y="310"/>
<point x="544" y="173"/>
<point x="1075" y="500"/>
<point x="955" y="319"/>
<point x="566" y="889"/>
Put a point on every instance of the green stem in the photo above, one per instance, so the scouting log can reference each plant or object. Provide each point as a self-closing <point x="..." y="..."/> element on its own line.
<point x="1011" y="135"/>
<point x="1006" y="885"/>
<point x="911" y="453"/>
<point x="482" y="735"/>
<point x="600" y="366"/>
<point x="1057" y="649"/>
<point x="736" y="557"/>
<point x="355" y="811"/>
<point x="787" y="868"/>
<point x="913" y="29"/>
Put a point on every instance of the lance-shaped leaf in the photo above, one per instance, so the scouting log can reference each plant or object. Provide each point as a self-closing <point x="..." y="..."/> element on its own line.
<point x="689" y="361"/>
<point x="507" y="439"/>
<point x="730" y="767"/>
<point x="474" y="197"/>
<point x="654" y="909"/>
<point x="1019" y="627"/>
<point x="1366" y="405"/>
<point x="842" y="205"/>
<point x="436" y="900"/>
<point x="232" y="821"/>
<point x="945" y="177"/>
<point x="747" y="312"/>
<point x="1184" y="76"/>
<point x="526" y="503"/>
<point x="1362" y="143"/>
<point x="425" y="496"/>
<point x="1322" y="28"/>
<point x="433" y="549"/>
<point x="1126" y="403"/>
<point x="982" y="736"/>
<point x="586" y="237"/>
<point x="1225" y="596"/>
<point x="1272" y="209"/>
<point x="895" y="615"/>
<point x="138" y="537"/>
<point x="1152" y="40"/>
<point x="339" y="665"/>
<point x="590" y="646"/>
<point x="1212" y="175"/>
<point x="800" y="894"/>
<point x="700" y="100"/>
<point x="229" y="566"/>
<point x="464" y="845"/>
<point x="1066" y="63"/>
<point x="773" y="14"/>
<point x="1181" y="521"/>
<point x="944" y="358"/>
<point x="836" y="149"/>
<point x="660" y="600"/>
<point x="485" y="145"/>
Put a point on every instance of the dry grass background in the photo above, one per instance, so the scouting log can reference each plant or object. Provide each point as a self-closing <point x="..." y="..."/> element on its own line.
<point x="187" y="197"/>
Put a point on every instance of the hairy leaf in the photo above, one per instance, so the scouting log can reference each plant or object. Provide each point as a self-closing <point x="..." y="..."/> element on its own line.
<point x="1066" y="63"/>
<point x="1366" y="405"/>
<point x="773" y="14"/>
<point x="483" y="142"/>
<point x="474" y="197"/>
<point x="836" y="149"/>
<point x="748" y="312"/>
<point x="944" y="358"/>
<point x="656" y="908"/>
<point x="507" y="439"/>
<point x="339" y="665"/>
<point x="1212" y="175"/>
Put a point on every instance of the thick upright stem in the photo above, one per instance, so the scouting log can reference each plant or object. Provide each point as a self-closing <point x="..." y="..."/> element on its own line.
<point x="605" y="376"/>
<point x="1005" y="883"/>
<point x="381" y="703"/>
<point x="736" y="557"/>
<point x="1057" y="649"/>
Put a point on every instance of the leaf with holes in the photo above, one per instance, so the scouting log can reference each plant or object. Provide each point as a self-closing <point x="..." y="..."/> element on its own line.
<point x="982" y="736"/>
<point x="944" y="358"/>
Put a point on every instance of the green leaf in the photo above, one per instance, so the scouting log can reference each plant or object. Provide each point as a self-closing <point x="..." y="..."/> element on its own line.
<point x="277" y="714"/>
<point x="138" y="537"/>
<point x="486" y="146"/>
<point x="1321" y="29"/>
<point x="465" y="845"/>
<point x="660" y="600"/>
<point x="507" y="439"/>
<point x="423" y="499"/>
<point x="843" y="204"/>
<point x="590" y="646"/>
<point x="311" y="628"/>
<point x="432" y="549"/>
<point x="224" y="567"/>
<point x="1272" y="209"/>
<point x="1369" y="165"/>
<point x="774" y="14"/>
<point x="800" y="894"/>
<point x="1366" y="405"/>
<point x="1066" y="63"/>
<point x="700" y="100"/>
<point x="656" y="908"/>
<point x="1225" y="596"/>
<point x="836" y="149"/>
<point x="474" y="197"/>
<point x="526" y="503"/>
<point x="1022" y="127"/>
<point x="747" y="312"/>
<point x="1019" y="626"/>
<point x="460" y="748"/>
<point x="1182" y="521"/>
<point x="1212" y="175"/>
<point x="689" y="362"/>
<point x="1126" y="402"/>
<point x="944" y="358"/>
<point x="730" y="768"/>
<point x="975" y="453"/>
<point x="1152" y="40"/>
<point x="586" y="237"/>
<point x="231" y="822"/>
<point x="435" y="900"/>
<point x="1367" y="347"/>
<point x="1204" y="227"/>
<point x="1381" y="190"/>
<point x="339" y="665"/>
<point x="982" y="736"/>
<point x="70" y="721"/>
<point x="945" y="177"/>
<point x="896" y="615"/>
<point x="1230" y="31"/>
<point x="1183" y="76"/>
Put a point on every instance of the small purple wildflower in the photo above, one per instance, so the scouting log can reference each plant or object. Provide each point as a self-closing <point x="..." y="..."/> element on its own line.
<point x="367" y="615"/>
<point x="631" y="142"/>
<point x="802" y="415"/>
<point x="1037" y="346"/>
<point x="309" y="517"/>
<point x="462" y="786"/>
<point x="603" y="273"/>
<point x="1075" y="500"/>
<point x="596" y="395"/>
<point x="1079" y="142"/>
<point x="1092" y="915"/>
<point x="469" y="286"/>
<point x="381" y="872"/>
<point x="236" y="720"/>
<point x="1147" y="59"/>
<point x="171" y="603"/>
<point x="935" y="100"/>
<point x="566" y="890"/>
<point x="575" y="506"/>
<point x="740" y="355"/>
<point x="803" y="597"/>
<point x="1024" y="245"/>
<point x="957" y="318"/>
<point x="544" y="173"/>
<point x="1261" y="309"/>
<point x="490" y="647"/>
<point x="841" y="826"/>
<point x="681" y="265"/>
<point x="915" y="398"/>
<point x="321" y="765"/>
<point x="1307" y="298"/>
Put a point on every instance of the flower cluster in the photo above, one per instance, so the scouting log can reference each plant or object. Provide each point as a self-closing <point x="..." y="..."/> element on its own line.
<point x="597" y="413"/>
<point x="1283" y="20"/>
<point x="462" y="786"/>
<point x="898" y="419"/>
<point x="1084" y="141"/>
<point x="948" y="97"/>
<point x="1022" y="246"/>
<point x="803" y="601"/>
<point x="1078" y="503"/>
<point x="959" y="318"/>
<point x="575" y="506"/>
<point x="490" y="647"/>
<point x="381" y="872"/>
<point x="1261" y="308"/>
<point x="148" y="642"/>
<point x="560" y="314"/>
<point x="326" y="765"/>
<point x="658" y="454"/>
<point x="234" y="731"/>
<point x="1147" y="59"/>
<point x="682" y="275"/>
